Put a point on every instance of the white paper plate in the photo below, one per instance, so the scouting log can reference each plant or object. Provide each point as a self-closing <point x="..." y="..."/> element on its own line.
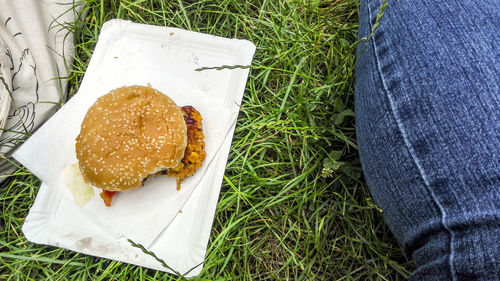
<point x="177" y="229"/>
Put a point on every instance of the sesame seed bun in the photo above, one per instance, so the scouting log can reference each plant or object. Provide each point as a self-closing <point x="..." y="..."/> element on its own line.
<point x="128" y="134"/>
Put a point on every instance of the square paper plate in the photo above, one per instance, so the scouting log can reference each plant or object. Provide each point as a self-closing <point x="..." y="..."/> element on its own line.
<point x="174" y="224"/>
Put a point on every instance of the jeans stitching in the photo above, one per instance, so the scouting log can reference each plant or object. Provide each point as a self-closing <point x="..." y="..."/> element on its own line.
<point x="407" y="143"/>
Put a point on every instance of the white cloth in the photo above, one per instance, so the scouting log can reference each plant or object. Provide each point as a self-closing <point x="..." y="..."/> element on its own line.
<point x="35" y="48"/>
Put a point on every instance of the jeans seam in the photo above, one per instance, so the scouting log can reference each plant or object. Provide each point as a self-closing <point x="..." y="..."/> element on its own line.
<point x="408" y="145"/>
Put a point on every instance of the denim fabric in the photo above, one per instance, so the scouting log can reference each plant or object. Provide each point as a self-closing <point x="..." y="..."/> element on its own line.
<point x="428" y="127"/>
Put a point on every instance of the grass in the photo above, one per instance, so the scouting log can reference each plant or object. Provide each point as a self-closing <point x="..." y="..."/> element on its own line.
<point x="293" y="204"/>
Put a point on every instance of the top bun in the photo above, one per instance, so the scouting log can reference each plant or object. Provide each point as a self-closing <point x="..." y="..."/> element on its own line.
<point x="127" y="134"/>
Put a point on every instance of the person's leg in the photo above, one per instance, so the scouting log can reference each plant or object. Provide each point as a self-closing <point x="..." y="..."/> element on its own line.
<point x="428" y="128"/>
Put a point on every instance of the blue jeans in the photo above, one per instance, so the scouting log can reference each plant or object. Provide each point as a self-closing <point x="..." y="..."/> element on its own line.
<point x="428" y="127"/>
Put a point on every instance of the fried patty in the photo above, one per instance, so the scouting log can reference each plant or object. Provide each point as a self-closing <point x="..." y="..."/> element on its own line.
<point x="195" y="149"/>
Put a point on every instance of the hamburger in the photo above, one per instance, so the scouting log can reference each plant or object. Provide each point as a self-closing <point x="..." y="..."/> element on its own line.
<point x="134" y="133"/>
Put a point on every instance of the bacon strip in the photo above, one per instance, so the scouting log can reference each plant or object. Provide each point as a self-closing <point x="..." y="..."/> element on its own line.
<point x="107" y="196"/>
